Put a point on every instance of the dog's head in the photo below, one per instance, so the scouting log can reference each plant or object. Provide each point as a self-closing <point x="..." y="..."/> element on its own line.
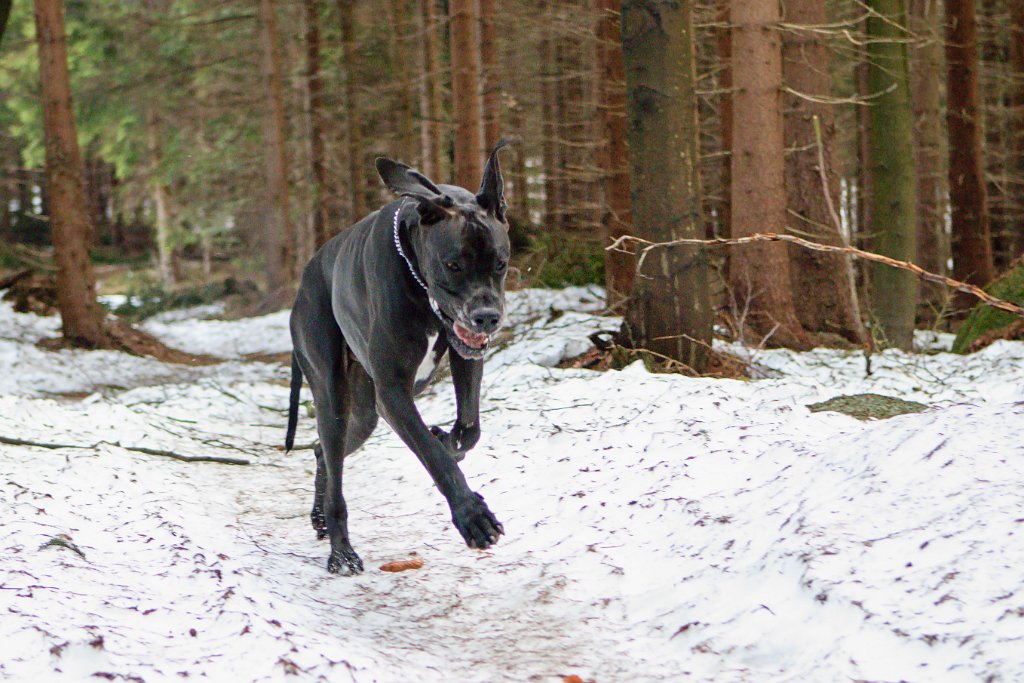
<point x="461" y="249"/>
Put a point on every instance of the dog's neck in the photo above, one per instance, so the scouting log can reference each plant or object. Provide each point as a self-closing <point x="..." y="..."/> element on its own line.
<point x="408" y="262"/>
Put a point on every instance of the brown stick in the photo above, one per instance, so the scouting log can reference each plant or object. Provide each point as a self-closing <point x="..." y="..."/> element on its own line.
<point x="921" y="273"/>
<point x="11" y="441"/>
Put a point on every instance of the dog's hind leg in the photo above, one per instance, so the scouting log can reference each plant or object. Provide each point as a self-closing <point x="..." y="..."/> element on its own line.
<point x="316" y="515"/>
<point x="323" y="355"/>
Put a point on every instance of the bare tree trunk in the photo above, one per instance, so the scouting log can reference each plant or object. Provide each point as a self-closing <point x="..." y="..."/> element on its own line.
<point x="760" y="278"/>
<point x="894" y="186"/>
<point x="164" y="244"/>
<point x="520" y="178"/>
<point x="972" y="244"/>
<point x="281" y="234"/>
<point x="619" y="268"/>
<point x="464" y="27"/>
<point x="356" y="174"/>
<point x="490" y="71"/>
<point x="431" y="135"/>
<point x="322" y="194"/>
<point x="549" y="120"/>
<point x="925" y="19"/>
<point x="825" y="295"/>
<point x="1017" y="125"/>
<point x="669" y="311"/>
<point x="723" y="42"/>
<point x="81" y="316"/>
<point x="398" y="36"/>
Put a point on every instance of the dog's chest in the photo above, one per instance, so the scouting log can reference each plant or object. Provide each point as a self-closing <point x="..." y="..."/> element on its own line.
<point x="429" y="363"/>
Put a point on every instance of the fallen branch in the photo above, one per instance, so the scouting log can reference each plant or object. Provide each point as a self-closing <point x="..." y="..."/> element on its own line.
<point x="11" y="441"/>
<point x="920" y="272"/>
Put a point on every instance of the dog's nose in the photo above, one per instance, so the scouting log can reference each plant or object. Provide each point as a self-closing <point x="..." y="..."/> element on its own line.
<point x="485" y="319"/>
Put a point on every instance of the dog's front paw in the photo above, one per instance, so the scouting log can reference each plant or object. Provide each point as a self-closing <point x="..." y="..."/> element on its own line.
<point x="345" y="563"/>
<point x="459" y="440"/>
<point x="477" y="524"/>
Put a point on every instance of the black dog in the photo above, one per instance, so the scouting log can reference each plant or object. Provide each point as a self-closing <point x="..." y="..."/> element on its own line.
<point x="378" y="307"/>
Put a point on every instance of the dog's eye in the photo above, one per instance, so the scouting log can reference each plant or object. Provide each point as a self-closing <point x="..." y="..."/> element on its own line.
<point x="500" y="266"/>
<point x="453" y="266"/>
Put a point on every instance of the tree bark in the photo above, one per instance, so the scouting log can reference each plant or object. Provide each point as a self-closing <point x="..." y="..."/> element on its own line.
<point x="281" y="236"/>
<point x="5" y="14"/>
<point x="723" y="46"/>
<point x="398" y="36"/>
<point x="894" y="186"/>
<point x="825" y="296"/>
<point x="619" y="268"/>
<point x="81" y="315"/>
<point x="968" y="193"/>
<point x="549" y="119"/>
<point x="490" y="71"/>
<point x="164" y="243"/>
<point x="431" y="131"/>
<point x="356" y="174"/>
<point x="1017" y="124"/>
<point x="669" y="311"/>
<point x="322" y="195"/>
<point x="760" y="277"/>
<point x="926" y="73"/>
<point x="464" y="27"/>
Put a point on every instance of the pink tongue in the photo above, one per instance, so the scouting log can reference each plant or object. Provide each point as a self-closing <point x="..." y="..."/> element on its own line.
<point x="469" y="338"/>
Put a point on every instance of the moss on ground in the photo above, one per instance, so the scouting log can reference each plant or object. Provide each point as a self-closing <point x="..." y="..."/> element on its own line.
<point x="868" y="406"/>
<point x="986" y="321"/>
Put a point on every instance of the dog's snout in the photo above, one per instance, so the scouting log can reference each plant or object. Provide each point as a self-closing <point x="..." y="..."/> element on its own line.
<point x="486" y="320"/>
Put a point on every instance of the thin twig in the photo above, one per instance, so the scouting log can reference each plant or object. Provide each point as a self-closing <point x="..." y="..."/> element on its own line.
<point x="11" y="441"/>
<point x="920" y="272"/>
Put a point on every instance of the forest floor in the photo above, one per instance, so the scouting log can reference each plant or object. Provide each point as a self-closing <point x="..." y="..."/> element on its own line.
<point x="659" y="527"/>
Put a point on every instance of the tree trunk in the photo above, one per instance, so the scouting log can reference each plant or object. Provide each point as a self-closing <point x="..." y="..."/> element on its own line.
<point x="723" y="45"/>
<point x="354" y="131"/>
<point x="491" y="73"/>
<point x="281" y="237"/>
<point x="972" y="244"/>
<point x="825" y="294"/>
<point x="81" y="315"/>
<point x="464" y="26"/>
<point x="5" y="14"/>
<point x="403" y="113"/>
<point x="619" y="268"/>
<point x="164" y="243"/>
<point x="322" y="228"/>
<point x="759" y="275"/>
<point x="669" y="311"/>
<point x="929" y="154"/>
<point x="431" y="131"/>
<point x="549" y="119"/>
<point x="1017" y="123"/>
<point x="894" y="187"/>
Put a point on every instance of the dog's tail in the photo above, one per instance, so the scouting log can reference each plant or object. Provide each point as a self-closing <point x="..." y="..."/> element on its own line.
<point x="293" y="403"/>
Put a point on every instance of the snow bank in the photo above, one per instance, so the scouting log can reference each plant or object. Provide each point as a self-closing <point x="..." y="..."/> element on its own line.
<point x="658" y="527"/>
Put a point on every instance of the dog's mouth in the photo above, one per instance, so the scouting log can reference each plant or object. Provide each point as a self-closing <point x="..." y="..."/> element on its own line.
<point x="474" y="340"/>
<point x="467" y="343"/>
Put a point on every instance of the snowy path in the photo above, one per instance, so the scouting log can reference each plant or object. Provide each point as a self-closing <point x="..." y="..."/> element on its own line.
<point x="659" y="528"/>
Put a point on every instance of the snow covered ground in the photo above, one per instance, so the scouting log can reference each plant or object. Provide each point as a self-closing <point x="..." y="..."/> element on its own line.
<point x="659" y="528"/>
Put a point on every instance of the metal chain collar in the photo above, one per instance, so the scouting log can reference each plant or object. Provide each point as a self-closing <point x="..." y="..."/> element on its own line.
<point x="401" y="252"/>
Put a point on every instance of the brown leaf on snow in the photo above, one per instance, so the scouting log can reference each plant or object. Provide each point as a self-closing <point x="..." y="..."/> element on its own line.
<point x="402" y="565"/>
<point x="573" y="678"/>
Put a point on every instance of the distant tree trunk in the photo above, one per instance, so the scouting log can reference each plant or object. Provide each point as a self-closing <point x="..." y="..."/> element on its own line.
<point x="619" y="268"/>
<point x="5" y="14"/>
<point x="825" y="294"/>
<point x="491" y="73"/>
<point x="759" y="275"/>
<point x="723" y="44"/>
<point x="925" y="19"/>
<point x="356" y="173"/>
<point x="1017" y="126"/>
<point x="398" y="37"/>
<point x="464" y="27"/>
<point x="520" y="177"/>
<point x="81" y="315"/>
<point x="164" y="243"/>
<point x="549" y="120"/>
<point x="431" y="132"/>
<point x="281" y="236"/>
<point x="322" y="228"/>
<point x="894" y="186"/>
<point x="972" y="244"/>
<point x="669" y="311"/>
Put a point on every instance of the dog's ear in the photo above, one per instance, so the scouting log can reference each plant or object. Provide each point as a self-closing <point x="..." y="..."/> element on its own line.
<point x="491" y="196"/>
<point x="408" y="182"/>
